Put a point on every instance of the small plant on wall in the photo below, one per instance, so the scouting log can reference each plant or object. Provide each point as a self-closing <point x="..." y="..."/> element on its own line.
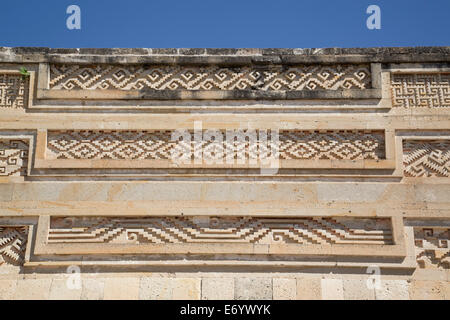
<point x="24" y="72"/>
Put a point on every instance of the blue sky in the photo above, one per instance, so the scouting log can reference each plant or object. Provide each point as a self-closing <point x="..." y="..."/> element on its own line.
<point x="224" y="24"/>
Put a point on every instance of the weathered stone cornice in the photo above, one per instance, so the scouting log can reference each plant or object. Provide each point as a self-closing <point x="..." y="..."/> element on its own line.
<point x="227" y="56"/>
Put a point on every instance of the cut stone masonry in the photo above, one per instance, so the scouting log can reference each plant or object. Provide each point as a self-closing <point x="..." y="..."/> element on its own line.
<point x="361" y="139"/>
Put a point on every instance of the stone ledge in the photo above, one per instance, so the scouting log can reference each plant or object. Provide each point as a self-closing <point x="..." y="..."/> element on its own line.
<point x="236" y="56"/>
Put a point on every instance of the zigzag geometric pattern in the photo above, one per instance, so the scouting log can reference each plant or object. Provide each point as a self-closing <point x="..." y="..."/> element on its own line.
<point x="168" y="77"/>
<point x="12" y="91"/>
<point x="310" y="230"/>
<point x="426" y="158"/>
<point x="420" y="90"/>
<point x="432" y="247"/>
<point x="158" y="145"/>
<point x="13" y="157"/>
<point x="13" y="242"/>
<point x="334" y="145"/>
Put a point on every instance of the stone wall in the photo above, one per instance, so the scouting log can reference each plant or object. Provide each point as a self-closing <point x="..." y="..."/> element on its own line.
<point x="305" y="173"/>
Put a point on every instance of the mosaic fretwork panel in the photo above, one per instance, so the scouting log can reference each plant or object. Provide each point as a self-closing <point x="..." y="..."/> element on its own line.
<point x="160" y="230"/>
<point x="426" y="158"/>
<point x="420" y="90"/>
<point x="165" y="77"/>
<point x="13" y="242"/>
<point x="158" y="145"/>
<point x="432" y="247"/>
<point x="13" y="157"/>
<point x="13" y="91"/>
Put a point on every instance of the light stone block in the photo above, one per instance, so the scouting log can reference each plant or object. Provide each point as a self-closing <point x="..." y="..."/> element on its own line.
<point x="427" y="290"/>
<point x="355" y="192"/>
<point x="92" y="289"/>
<point x="357" y="289"/>
<point x="6" y="191"/>
<point x="332" y="289"/>
<point x="284" y="289"/>
<point x="60" y="290"/>
<point x="186" y="288"/>
<point x="153" y="288"/>
<point x="7" y="289"/>
<point x="393" y="290"/>
<point x="33" y="289"/>
<point x="253" y="289"/>
<point x="446" y="289"/>
<point x="121" y="289"/>
<point x="217" y="289"/>
<point x="309" y="289"/>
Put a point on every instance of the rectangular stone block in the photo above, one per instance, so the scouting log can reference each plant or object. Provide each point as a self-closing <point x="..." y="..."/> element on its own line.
<point x="253" y="289"/>
<point x="393" y="290"/>
<point x="7" y="289"/>
<point x="62" y="290"/>
<point x="186" y="288"/>
<point x="33" y="289"/>
<point x="357" y="289"/>
<point x="154" y="288"/>
<point x="309" y="289"/>
<point x="332" y="289"/>
<point x="427" y="290"/>
<point x="119" y="288"/>
<point x="217" y="289"/>
<point x="92" y="289"/>
<point x="284" y="289"/>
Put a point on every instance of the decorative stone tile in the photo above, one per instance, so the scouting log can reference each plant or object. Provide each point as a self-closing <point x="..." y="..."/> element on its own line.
<point x="165" y="77"/>
<point x="13" y="91"/>
<point x="13" y="157"/>
<point x="420" y="90"/>
<point x="13" y="241"/>
<point x="432" y="247"/>
<point x="226" y="230"/>
<point x="426" y="158"/>
<point x="161" y="145"/>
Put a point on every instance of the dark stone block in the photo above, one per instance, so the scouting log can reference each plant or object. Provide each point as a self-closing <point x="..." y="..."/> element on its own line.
<point x="221" y="51"/>
<point x="163" y="51"/>
<point x="192" y="51"/>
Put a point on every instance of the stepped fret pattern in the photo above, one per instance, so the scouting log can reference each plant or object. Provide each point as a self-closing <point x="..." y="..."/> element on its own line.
<point x="13" y="157"/>
<point x="13" y="242"/>
<point x="158" y="145"/>
<point x="168" y="230"/>
<point x="420" y="90"/>
<point x="426" y="158"/>
<point x="432" y="247"/>
<point x="168" y="77"/>
<point x="12" y="91"/>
